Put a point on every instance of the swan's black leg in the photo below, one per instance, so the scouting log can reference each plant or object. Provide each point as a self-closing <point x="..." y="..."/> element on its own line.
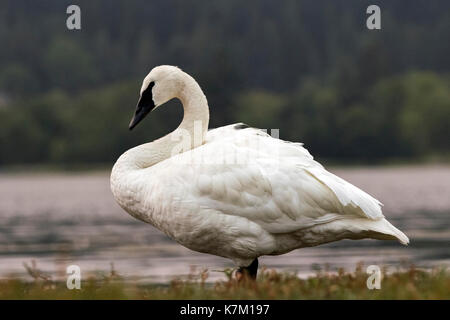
<point x="250" y="271"/>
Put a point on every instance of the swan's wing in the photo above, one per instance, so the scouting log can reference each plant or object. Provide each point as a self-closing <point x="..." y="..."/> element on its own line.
<point x="353" y="199"/>
<point x="278" y="186"/>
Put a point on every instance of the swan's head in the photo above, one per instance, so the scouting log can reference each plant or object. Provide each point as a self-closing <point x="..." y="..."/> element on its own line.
<point x="162" y="84"/>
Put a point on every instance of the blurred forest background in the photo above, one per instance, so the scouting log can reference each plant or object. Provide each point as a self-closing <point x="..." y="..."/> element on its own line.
<point x="310" y="68"/>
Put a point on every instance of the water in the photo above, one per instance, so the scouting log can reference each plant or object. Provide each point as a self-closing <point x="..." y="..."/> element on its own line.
<point x="63" y="219"/>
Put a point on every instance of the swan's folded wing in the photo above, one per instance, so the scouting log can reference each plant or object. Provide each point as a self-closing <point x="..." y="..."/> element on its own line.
<point x="353" y="200"/>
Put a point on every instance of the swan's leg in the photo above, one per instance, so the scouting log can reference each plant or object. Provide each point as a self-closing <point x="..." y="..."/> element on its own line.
<point x="249" y="271"/>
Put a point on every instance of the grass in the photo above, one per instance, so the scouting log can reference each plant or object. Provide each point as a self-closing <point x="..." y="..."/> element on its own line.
<point x="410" y="284"/>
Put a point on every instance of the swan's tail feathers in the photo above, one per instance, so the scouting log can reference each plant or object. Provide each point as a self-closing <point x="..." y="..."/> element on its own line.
<point x="383" y="229"/>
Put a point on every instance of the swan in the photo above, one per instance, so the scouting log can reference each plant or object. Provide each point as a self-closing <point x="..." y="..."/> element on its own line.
<point x="235" y="191"/>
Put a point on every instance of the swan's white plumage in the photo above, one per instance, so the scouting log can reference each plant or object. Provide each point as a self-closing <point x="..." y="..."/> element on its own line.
<point x="243" y="194"/>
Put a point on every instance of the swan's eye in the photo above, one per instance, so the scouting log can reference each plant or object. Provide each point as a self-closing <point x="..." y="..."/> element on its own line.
<point x="147" y="94"/>
<point x="144" y="106"/>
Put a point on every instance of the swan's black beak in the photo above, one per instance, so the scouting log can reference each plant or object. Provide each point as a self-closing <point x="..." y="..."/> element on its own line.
<point x="142" y="109"/>
<point x="144" y="106"/>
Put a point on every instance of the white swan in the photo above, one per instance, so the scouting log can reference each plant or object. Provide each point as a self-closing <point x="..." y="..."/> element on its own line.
<point x="235" y="191"/>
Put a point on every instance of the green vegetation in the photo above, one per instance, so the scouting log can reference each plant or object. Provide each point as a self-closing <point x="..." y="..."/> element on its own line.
<point x="401" y="116"/>
<point x="311" y="69"/>
<point x="410" y="284"/>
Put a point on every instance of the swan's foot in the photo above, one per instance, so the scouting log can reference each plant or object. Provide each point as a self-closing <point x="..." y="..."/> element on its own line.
<point x="249" y="272"/>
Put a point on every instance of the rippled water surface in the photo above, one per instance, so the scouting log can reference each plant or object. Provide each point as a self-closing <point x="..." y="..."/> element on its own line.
<point x="62" y="219"/>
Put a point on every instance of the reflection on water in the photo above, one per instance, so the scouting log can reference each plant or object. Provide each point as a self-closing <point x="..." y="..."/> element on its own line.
<point x="62" y="219"/>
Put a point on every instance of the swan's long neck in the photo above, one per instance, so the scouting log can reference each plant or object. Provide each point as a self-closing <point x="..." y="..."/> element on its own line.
<point x="194" y="126"/>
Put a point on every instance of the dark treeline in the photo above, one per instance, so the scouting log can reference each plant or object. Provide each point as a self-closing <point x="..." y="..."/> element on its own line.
<point x="310" y="68"/>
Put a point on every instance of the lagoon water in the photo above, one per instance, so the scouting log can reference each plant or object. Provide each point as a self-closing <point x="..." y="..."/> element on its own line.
<point x="71" y="218"/>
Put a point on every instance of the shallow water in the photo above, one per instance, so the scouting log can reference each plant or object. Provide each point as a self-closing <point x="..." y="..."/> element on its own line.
<point x="62" y="219"/>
